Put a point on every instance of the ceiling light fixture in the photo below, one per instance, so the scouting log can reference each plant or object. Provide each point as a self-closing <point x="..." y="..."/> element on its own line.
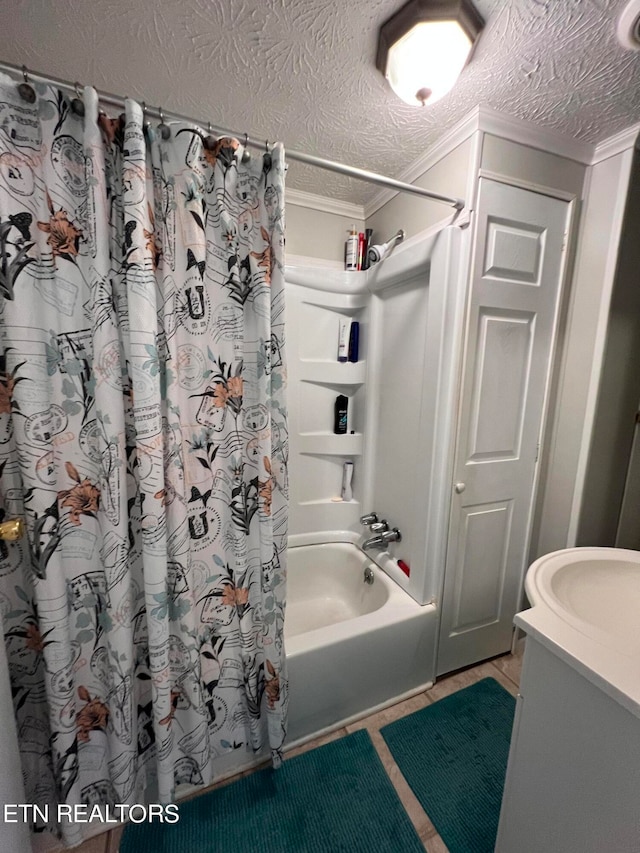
<point x="423" y="47"/>
<point x="629" y="26"/>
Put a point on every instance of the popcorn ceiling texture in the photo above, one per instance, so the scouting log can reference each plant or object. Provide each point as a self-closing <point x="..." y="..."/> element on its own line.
<point x="303" y="71"/>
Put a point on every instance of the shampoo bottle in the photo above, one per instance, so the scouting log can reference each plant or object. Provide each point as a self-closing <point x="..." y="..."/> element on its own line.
<point x="344" y="338"/>
<point x="340" y="416"/>
<point x="351" y="250"/>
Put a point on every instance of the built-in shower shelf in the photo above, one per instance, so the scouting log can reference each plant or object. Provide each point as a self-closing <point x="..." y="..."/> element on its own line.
<point x="333" y="372"/>
<point x="330" y="444"/>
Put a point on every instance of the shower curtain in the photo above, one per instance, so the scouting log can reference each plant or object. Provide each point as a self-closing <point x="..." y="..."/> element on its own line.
<point x="143" y="438"/>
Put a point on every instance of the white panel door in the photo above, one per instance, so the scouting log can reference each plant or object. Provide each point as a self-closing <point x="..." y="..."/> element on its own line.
<point x="511" y="320"/>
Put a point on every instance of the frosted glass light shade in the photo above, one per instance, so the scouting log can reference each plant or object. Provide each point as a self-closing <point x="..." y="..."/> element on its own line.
<point x="425" y="63"/>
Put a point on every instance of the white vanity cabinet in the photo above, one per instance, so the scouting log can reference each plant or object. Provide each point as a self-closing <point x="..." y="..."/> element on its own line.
<point x="573" y="778"/>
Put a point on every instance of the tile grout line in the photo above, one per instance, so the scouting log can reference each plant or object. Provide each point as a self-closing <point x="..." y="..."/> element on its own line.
<point x="390" y="763"/>
<point x="505" y="674"/>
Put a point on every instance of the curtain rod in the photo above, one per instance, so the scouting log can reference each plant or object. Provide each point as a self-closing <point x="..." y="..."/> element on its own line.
<point x="299" y="156"/>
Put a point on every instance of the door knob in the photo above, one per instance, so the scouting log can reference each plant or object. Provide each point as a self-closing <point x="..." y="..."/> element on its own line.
<point x="12" y="529"/>
<point x="459" y="487"/>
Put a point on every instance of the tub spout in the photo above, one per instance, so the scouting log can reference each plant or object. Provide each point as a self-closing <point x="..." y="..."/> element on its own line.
<point x="383" y="539"/>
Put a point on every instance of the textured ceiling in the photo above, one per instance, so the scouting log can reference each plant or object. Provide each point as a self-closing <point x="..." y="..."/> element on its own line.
<point x="303" y="70"/>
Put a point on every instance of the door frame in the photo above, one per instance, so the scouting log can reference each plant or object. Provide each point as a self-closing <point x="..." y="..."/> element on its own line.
<point x="554" y="372"/>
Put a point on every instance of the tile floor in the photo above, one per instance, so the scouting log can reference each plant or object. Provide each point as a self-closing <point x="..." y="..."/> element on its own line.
<point x="506" y="671"/>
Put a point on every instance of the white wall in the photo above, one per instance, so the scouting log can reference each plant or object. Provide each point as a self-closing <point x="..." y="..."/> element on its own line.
<point x="317" y="233"/>
<point x="618" y="392"/>
<point x="524" y="163"/>
<point x="579" y="362"/>
<point x="415" y="214"/>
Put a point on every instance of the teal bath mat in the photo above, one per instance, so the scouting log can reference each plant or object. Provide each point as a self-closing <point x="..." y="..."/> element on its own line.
<point x="454" y="756"/>
<point x="332" y="799"/>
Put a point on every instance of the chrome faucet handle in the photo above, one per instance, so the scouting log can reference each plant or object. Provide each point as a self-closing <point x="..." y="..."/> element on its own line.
<point x="391" y="536"/>
<point x="379" y="526"/>
<point x="368" y="520"/>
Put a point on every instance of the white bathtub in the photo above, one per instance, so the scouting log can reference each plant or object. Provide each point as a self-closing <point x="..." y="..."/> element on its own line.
<point x="351" y="647"/>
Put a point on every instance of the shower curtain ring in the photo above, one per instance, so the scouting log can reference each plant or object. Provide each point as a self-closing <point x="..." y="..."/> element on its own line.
<point x="267" y="162"/>
<point x="77" y="104"/>
<point x="146" y="124"/>
<point x="25" y="89"/>
<point x="246" y="154"/>
<point x="165" y="130"/>
<point x="209" y="142"/>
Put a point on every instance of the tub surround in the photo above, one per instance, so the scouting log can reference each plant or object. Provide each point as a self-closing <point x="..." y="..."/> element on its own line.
<point x="416" y="252"/>
<point x="354" y="649"/>
<point x="400" y="447"/>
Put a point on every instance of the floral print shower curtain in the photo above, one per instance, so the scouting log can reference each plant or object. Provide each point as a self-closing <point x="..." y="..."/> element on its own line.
<point x="143" y="438"/>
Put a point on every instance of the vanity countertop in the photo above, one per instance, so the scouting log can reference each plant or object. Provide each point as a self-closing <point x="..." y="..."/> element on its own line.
<point x="586" y="609"/>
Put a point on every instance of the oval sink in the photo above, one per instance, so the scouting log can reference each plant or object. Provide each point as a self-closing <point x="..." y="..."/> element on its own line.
<point x="597" y="590"/>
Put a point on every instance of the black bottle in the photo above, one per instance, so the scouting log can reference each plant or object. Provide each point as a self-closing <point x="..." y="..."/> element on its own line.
<point x="340" y="418"/>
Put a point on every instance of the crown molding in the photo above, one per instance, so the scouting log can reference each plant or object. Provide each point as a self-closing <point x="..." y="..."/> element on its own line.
<point x="480" y="119"/>
<point x="487" y="120"/>
<point x="616" y="144"/>
<point x="528" y="133"/>
<point x="326" y="205"/>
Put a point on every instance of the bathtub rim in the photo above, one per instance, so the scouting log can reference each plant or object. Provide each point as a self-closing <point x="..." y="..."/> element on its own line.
<point x="399" y="607"/>
<point x="383" y="559"/>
